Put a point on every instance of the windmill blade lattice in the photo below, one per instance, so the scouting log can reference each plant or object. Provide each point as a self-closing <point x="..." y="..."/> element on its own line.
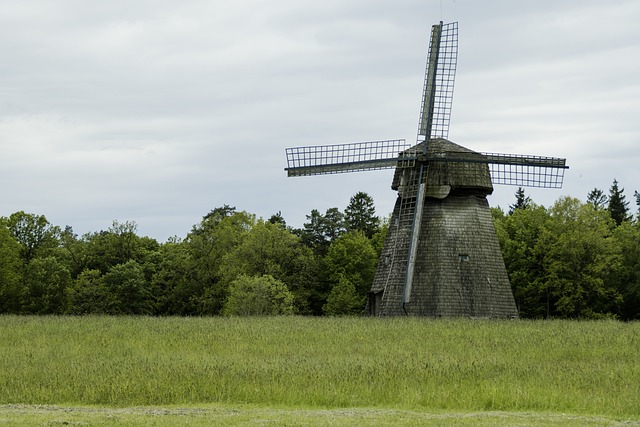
<point x="439" y="79"/>
<point x="512" y="169"/>
<point x="506" y="169"/>
<point x="343" y="158"/>
<point x="526" y="171"/>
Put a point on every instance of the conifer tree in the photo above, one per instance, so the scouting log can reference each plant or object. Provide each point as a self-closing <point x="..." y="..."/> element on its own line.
<point x="522" y="201"/>
<point x="360" y="214"/>
<point x="277" y="218"/>
<point x="597" y="198"/>
<point x="618" y="206"/>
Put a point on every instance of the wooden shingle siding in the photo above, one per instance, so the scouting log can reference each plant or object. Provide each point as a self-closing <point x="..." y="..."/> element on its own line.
<point x="459" y="267"/>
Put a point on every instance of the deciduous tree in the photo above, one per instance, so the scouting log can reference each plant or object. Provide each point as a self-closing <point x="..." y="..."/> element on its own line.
<point x="88" y="294"/>
<point x="36" y="236"/>
<point x="73" y="251"/>
<point x="45" y="285"/>
<point x="379" y="237"/>
<point x="207" y="244"/>
<point x="270" y="249"/>
<point x="129" y="291"/>
<point x="580" y="257"/>
<point x="218" y="214"/>
<point x="117" y="245"/>
<point x="627" y="278"/>
<point x="10" y="272"/>
<point x="519" y="234"/>
<point x="175" y="284"/>
<point x="353" y="258"/>
<point x="258" y="296"/>
<point x="344" y="300"/>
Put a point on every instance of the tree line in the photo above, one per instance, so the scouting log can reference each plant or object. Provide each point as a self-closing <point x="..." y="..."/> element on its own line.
<point x="230" y="263"/>
<point x="575" y="259"/>
<point x="572" y="260"/>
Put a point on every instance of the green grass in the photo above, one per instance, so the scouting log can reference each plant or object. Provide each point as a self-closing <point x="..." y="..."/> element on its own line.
<point x="384" y="367"/>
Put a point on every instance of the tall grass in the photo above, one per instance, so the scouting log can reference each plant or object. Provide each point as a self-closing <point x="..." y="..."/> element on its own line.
<point x="408" y="363"/>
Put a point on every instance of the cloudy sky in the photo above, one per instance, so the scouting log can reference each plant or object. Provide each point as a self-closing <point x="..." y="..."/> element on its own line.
<point x="158" y="111"/>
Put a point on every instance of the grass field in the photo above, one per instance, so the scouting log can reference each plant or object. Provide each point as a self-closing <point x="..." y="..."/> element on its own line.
<point x="309" y="371"/>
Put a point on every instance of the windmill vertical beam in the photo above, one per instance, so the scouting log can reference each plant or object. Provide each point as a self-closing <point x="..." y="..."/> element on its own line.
<point x="426" y="119"/>
<point x="413" y="244"/>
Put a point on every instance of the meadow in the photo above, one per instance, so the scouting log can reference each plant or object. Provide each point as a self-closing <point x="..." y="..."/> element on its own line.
<point x="308" y="371"/>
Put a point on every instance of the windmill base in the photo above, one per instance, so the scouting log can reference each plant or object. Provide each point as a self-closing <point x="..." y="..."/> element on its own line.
<point x="459" y="270"/>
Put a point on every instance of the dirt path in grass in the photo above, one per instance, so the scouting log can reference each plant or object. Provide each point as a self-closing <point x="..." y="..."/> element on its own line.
<point x="39" y="415"/>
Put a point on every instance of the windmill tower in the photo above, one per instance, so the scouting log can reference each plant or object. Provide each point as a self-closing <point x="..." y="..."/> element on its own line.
<point x="441" y="256"/>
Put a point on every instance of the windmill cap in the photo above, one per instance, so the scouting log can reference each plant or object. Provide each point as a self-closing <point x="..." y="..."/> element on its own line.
<point x="449" y="166"/>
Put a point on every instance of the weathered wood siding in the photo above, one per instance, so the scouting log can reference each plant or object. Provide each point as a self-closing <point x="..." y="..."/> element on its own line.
<point x="459" y="268"/>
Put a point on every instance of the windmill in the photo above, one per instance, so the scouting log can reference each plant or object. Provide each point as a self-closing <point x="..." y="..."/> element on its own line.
<point x="441" y="255"/>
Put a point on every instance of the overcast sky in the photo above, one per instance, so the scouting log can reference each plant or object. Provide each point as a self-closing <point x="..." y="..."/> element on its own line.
<point x="159" y="111"/>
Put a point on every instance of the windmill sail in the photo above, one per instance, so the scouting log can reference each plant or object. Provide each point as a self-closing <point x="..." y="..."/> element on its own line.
<point x="435" y="113"/>
<point x="342" y="158"/>
<point x="439" y="79"/>
<point x="506" y="169"/>
<point x="515" y="169"/>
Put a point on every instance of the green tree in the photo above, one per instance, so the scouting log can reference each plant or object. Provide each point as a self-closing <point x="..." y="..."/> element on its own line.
<point x="618" y="206"/>
<point x="379" y="237"/>
<point x="10" y="272"/>
<point x="46" y="280"/>
<point x="637" y="196"/>
<point x="117" y="245"/>
<point x="270" y="249"/>
<point x="216" y="235"/>
<point x="580" y="257"/>
<point x="522" y="201"/>
<point x="277" y="218"/>
<point x="218" y="214"/>
<point x="312" y="233"/>
<point x="333" y="224"/>
<point x="129" y="291"/>
<point x="126" y="240"/>
<point x="258" y="296"/>
<point x="597" y="199"/>
<point x="519" y="235"/>
<point x="207" y="244"/>
<point x="344" y="300"/>
<point x="175" y="283"/>
<point x="353" y="258"/>
<point x="627" y="278"/>
<point x="360" y="214"/>
<point x="36" y="236"/>
<point x="88" y="294"/>
<point x="73" y="251"/>
<point x="320" y="230"/>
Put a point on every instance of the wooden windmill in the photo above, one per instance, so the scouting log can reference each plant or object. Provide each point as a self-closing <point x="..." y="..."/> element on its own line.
<point x="441" y="256"/>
